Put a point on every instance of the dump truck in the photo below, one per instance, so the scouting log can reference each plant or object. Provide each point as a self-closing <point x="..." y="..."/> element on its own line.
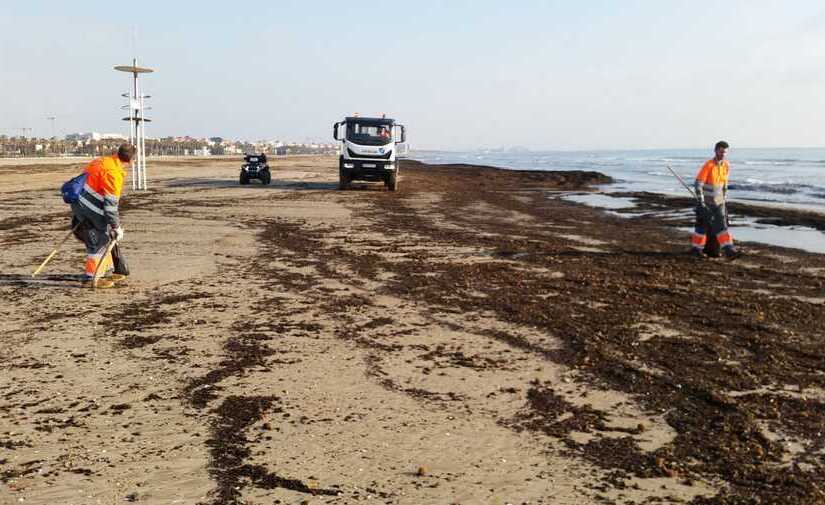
<point x="370" y="149"/>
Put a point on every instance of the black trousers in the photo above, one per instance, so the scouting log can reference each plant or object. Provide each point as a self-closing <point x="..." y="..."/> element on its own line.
<point x="81" y="232"/>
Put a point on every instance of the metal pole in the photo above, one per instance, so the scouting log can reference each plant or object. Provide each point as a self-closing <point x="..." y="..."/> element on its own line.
<point x="143" y="141"/>
<point x="143" y="150"/>
<point x="131" y="135"/>
<point x="139" y="126"/>
<point x="134" y="120"/>
<point x="131" y="123"/>
<point x="137" y="130"/>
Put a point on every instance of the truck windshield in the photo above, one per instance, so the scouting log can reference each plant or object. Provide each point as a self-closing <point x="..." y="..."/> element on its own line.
<point x="371" y="134"/>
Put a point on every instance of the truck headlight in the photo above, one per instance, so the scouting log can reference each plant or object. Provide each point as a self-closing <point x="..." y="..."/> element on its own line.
<point x="349" y="165"/>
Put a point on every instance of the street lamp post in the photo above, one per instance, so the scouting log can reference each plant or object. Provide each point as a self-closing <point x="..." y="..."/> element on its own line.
<point x="52" y="119"/>
<point x="137" y="128"/>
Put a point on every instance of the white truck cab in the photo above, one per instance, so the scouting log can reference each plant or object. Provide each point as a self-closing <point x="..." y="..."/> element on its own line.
<point x="369" y="150"/>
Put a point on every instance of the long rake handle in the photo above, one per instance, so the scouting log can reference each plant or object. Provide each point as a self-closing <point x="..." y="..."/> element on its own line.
<point x="56" y="249"/>
<point x="694" y="195"/>
<point x="109" y="248"/>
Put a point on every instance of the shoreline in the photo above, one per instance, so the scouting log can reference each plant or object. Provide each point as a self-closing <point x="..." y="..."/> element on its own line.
<point x="639" y="172"/>
<point x="785" y="216"/>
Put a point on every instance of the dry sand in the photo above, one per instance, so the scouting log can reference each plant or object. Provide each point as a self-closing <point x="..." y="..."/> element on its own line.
<point x="465" y="340"/>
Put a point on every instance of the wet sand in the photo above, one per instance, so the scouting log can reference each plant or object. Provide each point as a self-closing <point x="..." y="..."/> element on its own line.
<point x="470" y="339"/>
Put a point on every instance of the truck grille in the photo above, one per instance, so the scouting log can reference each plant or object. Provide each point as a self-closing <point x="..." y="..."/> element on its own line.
<point x="352" y="154"/>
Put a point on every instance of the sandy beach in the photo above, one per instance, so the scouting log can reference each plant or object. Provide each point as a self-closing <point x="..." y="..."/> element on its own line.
<point x="469" y="339"/>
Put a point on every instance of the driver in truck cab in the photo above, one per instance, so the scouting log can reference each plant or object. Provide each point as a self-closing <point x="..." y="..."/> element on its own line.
<point x="383" y="132"/>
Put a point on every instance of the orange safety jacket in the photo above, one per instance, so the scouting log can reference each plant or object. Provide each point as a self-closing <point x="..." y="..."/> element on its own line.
<point x="104" y="185"/>
<point x="712" y="181"/>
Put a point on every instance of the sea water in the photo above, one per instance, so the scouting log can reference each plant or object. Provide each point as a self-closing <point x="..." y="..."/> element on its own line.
<point x="790" y="177"/>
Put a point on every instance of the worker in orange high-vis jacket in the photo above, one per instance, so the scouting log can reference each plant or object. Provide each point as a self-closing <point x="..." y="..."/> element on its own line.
<point x="711" y="187"/>
<point x="97" y="216"/>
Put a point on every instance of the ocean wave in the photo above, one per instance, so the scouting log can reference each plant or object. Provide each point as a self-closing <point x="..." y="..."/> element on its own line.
<point x="783" y="162"/>
<point x="691" y="159"/>
<point x="786" y="182"/>
<point x="776" y="160"/>
<point x="779" y="188"/>
<point x="767" y="163"/>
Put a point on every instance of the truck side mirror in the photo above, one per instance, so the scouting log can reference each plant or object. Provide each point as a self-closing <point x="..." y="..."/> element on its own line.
<point x="403" y="134"/>
<point x="335" y="131"/>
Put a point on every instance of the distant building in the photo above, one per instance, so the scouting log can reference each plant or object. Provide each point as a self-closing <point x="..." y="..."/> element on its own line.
<point x="89" y="136"/>
<point x="83" y="137"/>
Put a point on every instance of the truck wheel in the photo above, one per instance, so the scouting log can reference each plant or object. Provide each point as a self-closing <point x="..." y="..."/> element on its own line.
<point x="266" y="178"/>
<point x="392" y="181"/>
<point x="343" y="176"/>
<point x="244" y="179"/>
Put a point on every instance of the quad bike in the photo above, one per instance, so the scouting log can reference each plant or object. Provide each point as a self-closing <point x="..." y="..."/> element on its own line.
<point x="255" y="167"/>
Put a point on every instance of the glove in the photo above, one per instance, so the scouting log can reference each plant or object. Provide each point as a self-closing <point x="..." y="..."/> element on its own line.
<point x="116" y="234"/>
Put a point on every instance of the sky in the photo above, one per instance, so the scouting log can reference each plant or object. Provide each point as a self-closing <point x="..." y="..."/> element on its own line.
<point x="460" y="75"/>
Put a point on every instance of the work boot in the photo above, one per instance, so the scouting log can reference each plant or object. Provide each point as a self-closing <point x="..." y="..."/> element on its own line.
<point x="696" y="253"/>
<point x="98" y="284"/>
<point x="731" y="253"/>
<point x="118" y="278"/>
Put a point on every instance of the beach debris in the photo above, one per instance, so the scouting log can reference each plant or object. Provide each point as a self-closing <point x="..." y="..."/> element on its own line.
<point x="669" y="472"/>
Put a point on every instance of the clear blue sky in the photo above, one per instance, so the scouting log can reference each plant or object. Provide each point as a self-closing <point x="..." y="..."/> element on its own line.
<point x="459" y="74"/>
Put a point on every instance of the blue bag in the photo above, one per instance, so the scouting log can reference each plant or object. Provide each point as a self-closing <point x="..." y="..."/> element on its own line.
<point x="72" y="188"/>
